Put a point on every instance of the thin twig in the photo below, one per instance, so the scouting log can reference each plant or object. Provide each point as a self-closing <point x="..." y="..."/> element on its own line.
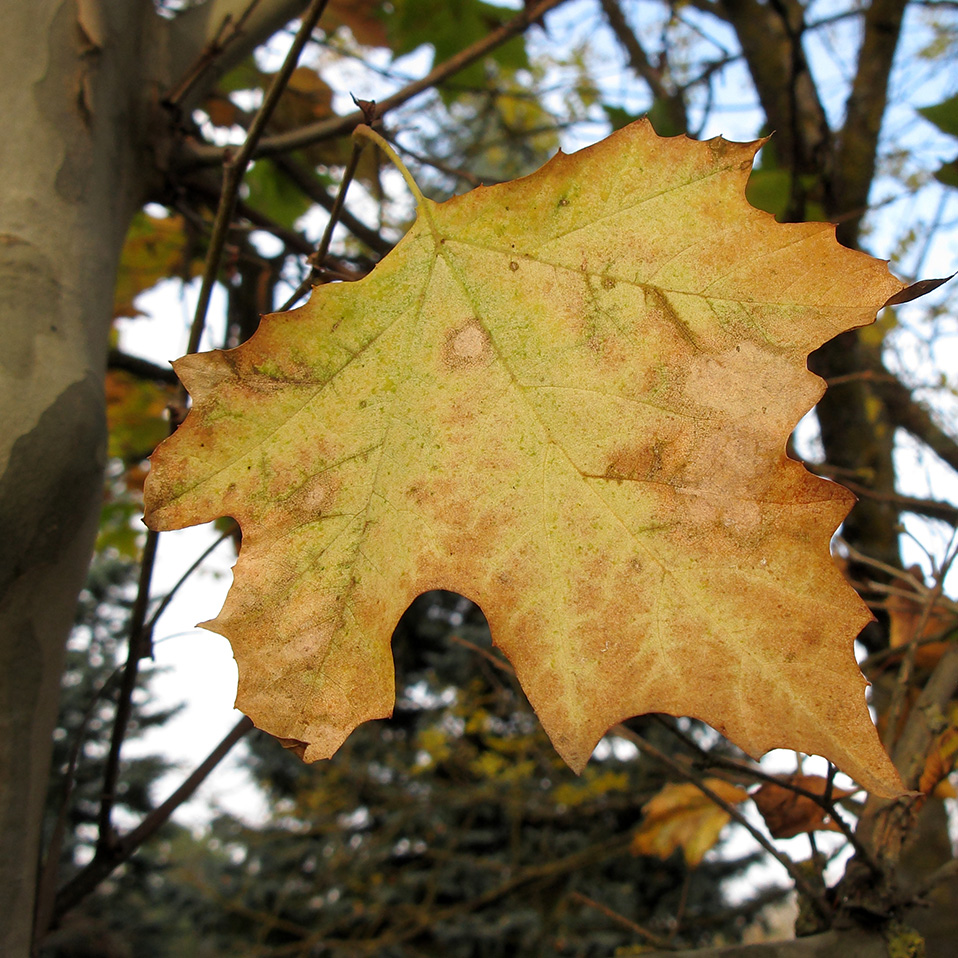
<point x="318" y="258"/>
<point x="342" y="125"/>
<point x="647" y="748"/>
<point x="891" y="570"/>
<point x="139" y="647"/>
<point x="225" y="35"/>
<point x="235" y="169"/>
<point x="877" y="659"/>
<point x="46" y="885"/>
<point x="740" y="768"/>
<point x="307" y="181"/>
<point x="933" y="508"/>
<point x="903" y="682"/>
<point x="180" y="582"/>
<point x="649" y="936"/>
<point x="456" y="172"/>
<point x="105" y="861"/>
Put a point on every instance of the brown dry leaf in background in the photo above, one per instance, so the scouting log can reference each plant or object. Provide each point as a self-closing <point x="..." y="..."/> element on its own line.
<point x="787" y="814"/>
<point x="910" y="620"/>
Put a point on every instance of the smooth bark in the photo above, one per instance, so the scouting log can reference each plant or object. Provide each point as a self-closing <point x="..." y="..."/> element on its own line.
<point x="81" y="85"/>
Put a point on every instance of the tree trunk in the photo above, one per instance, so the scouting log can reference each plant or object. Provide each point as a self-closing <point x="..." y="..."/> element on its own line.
<point x="74" y="173"/>
<point x="80" y="84"/>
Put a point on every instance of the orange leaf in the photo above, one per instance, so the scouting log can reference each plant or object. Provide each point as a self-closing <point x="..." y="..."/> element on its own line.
<point x="568" y="399"/>
<point x="682" y="816"/>
<point x="941" y="762"/>
<point x="787" y="813"/>
<point x="911" y="621"/>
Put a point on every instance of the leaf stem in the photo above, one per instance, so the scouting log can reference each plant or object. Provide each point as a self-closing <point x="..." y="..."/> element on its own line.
<point x="318" y="257"/>
<point x="367" y="132"/>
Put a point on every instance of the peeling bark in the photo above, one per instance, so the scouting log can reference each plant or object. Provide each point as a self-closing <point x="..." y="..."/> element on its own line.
<point x="80" y="90"/>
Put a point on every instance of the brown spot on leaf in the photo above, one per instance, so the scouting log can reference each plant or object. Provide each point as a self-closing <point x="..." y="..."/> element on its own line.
<point x="467" y="347"/>
<point x="635" y="462"/>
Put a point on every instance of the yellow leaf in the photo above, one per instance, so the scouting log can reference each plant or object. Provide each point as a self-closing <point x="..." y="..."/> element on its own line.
<point x="682" y="816"/>
<point x="155" y="249"/>
<point x="567" y="398"/>
<point x="941" y="762"/>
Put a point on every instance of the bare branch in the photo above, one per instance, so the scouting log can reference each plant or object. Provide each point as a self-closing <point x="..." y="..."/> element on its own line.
<point x="235" y="169"/>
<point x="186" y="36"/>
<point x="342" y="125"/>
<point x="864" y="110"/>
<point x="771" y="40"/>
<point x="643" y="67"/>
<point x="107" y="859"/>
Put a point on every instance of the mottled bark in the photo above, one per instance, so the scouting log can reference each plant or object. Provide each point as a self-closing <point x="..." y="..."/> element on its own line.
<point x="86" y="142"/>
<point x="850" y="943"/>
<point x="72" y="89"/>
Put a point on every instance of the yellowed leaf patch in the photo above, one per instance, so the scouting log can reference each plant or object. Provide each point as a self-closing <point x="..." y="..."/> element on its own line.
<point x="567" y="398"/>
<point x="682" y="816"/>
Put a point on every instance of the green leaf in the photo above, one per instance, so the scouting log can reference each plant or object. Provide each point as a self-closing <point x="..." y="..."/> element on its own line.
<point x="451" y="25"/>
<point x="618" y="117"/>
<point x="948" y="173"/>
<point x="944" y="115"/>
<point x="273" y="193"/>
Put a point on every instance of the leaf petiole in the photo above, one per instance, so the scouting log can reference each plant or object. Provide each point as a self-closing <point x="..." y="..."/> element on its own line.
<point x="366" y="132"/>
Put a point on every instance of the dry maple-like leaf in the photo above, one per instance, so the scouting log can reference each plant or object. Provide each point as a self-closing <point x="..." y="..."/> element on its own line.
<point x="682" y="816"/>
<point x="787" y="813"/>
<point x="917" y="618"/>
<point x="566" y="398"/>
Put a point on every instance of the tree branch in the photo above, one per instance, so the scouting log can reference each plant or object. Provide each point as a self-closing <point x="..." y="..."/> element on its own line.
<point x="857" y="148"/>
<point x="915" y="418"/>
<point x="343" y="125"/>
<point x="188" y="36"/>
<point x="107" y="859"/>
<point x="771" y="43"/>
<point x="671" y="99"/>
<point x="933" y="508"/>
<point x="141" y="368"/>
<point x="139" y="646"/>
<point x="235" y="168"/>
